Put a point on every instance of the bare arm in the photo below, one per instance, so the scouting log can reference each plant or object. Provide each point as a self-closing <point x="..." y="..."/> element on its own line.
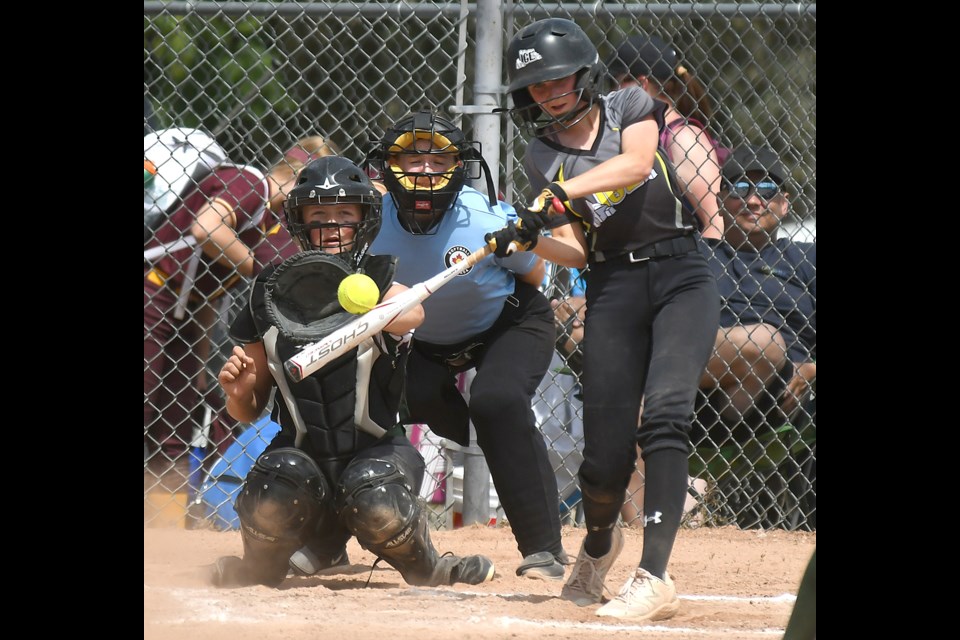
<point x="536" y="275"/>
<point x="205" y="317"/>
<point x="698" y="171"/>
<point x="215" y="232"/>
<point x="566" y="246"/>
<point x="408" y="321"/>
<point x="246" y="380"/>
<point x="638" y="146"/>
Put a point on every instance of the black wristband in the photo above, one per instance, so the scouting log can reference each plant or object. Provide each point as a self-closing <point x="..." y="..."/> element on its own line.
<point x="558" y="191"/>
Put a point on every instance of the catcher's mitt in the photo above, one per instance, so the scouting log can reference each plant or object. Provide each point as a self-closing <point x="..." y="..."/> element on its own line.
<point x="301" y="296"/>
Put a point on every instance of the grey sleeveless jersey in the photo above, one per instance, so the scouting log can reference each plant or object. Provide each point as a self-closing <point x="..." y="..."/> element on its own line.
<point x="628" y="218"/>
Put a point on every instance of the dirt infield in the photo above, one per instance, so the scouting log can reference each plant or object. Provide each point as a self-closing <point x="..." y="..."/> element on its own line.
<point x="733" y="585"/>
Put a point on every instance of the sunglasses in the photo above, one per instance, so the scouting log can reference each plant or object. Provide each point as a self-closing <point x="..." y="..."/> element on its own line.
<point x="765" y="190"/>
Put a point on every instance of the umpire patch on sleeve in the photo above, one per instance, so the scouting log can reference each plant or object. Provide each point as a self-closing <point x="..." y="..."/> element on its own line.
<point x="456" y="255"/>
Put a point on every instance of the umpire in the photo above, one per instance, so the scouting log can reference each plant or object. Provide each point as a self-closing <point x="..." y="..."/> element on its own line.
<point x="492" y="318"/>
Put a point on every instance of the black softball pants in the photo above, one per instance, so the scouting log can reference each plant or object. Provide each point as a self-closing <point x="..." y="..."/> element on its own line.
<point x="649" y="330"/>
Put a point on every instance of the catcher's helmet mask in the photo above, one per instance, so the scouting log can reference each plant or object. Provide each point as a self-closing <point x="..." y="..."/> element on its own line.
<point x="335" y="180"/>
<point x="420" y="206"/>
<point x="549" y="50"/>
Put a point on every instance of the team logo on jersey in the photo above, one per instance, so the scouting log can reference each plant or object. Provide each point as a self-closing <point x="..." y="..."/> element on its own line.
<point x="526" y="56"/>
<point x="604" y="203"/>
<point x="456" y="255"/>
<point x="617" y="196"/>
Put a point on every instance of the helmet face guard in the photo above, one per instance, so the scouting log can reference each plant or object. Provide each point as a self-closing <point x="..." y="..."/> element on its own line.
<point x="423" y="197"/>
<point x="548" y="50"/>
<point x="334" y="180"/>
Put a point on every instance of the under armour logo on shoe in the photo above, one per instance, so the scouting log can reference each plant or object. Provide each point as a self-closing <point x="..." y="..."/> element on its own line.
<point x="655" y="518"/>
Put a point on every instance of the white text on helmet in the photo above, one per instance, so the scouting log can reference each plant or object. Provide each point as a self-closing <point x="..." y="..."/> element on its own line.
<point x="526" y="56"/>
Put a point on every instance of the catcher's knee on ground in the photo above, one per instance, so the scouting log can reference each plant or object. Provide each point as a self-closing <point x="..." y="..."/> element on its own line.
<point x="377" y="504"/>
<point x="281" y="501"/>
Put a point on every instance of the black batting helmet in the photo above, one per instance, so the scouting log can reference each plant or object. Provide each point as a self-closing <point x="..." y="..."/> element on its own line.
<point x="546" y="50"/>
<point x="335" y="180"/>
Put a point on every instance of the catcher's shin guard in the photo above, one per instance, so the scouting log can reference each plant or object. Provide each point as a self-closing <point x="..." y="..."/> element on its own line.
<point x="412" y="553"/>
<point x="377" y="504"/>
<point x="281" y="501"/>
<point x="379" y="507"/>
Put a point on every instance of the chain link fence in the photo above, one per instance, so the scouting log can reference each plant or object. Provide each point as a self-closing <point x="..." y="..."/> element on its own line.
<point x="262" y="77"/>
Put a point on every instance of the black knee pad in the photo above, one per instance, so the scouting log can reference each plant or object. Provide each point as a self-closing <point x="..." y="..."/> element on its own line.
<point x="376" y="503"/>
<point x="282" y="498"/>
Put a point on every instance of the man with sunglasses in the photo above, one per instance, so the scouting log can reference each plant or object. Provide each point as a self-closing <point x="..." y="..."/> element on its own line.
<point x="764" y="362"/>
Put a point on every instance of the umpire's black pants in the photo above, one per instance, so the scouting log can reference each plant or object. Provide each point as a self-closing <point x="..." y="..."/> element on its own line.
<point x="514" y="358"/>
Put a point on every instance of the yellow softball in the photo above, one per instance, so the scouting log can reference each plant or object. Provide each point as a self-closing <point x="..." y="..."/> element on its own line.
<point x="358" y="293"/>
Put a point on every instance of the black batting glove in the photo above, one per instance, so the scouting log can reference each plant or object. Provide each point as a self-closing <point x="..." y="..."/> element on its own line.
<point x="550" y="200"/>
<point x="536" y="217"/>
<point x="533" y="221"/>
<point x="511" y="238"/>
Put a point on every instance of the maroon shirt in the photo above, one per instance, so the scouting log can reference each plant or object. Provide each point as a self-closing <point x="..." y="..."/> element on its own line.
<point x="245" y="190"/>
<point x="277" y="244"/>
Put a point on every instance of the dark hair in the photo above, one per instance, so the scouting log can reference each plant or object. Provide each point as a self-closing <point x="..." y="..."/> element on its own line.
<point x="651" y="57"/>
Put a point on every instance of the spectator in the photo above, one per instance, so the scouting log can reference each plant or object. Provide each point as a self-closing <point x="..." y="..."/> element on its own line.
<point x="570" y="313"/>
<point x="209" y="237"/>
<point x="199" y="249"/>
<point x="764" y="362"/>
<point x="341" y="464"/>
<point x="652" y="64"/>
<point x="558" y="403"/>
<point x="277" y="244"/>
<point x="492" y="318"/>
<point x="652" y="303"/>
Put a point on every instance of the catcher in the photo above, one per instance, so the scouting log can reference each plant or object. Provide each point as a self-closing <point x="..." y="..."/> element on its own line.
<point x="341" y="465"/>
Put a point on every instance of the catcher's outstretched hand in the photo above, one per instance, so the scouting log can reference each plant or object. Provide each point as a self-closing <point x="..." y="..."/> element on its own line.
<point x="511" y="238"/>
<point x="238" y="375"/>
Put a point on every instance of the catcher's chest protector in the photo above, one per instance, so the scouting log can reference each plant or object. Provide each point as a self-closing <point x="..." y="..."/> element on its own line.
<point x="349" y="403"/>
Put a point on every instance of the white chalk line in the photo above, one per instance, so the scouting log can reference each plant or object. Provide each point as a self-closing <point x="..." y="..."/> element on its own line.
<point x="646" y="628"/>
<point x="203" y="608"/>
<point x="784" y="597"/>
